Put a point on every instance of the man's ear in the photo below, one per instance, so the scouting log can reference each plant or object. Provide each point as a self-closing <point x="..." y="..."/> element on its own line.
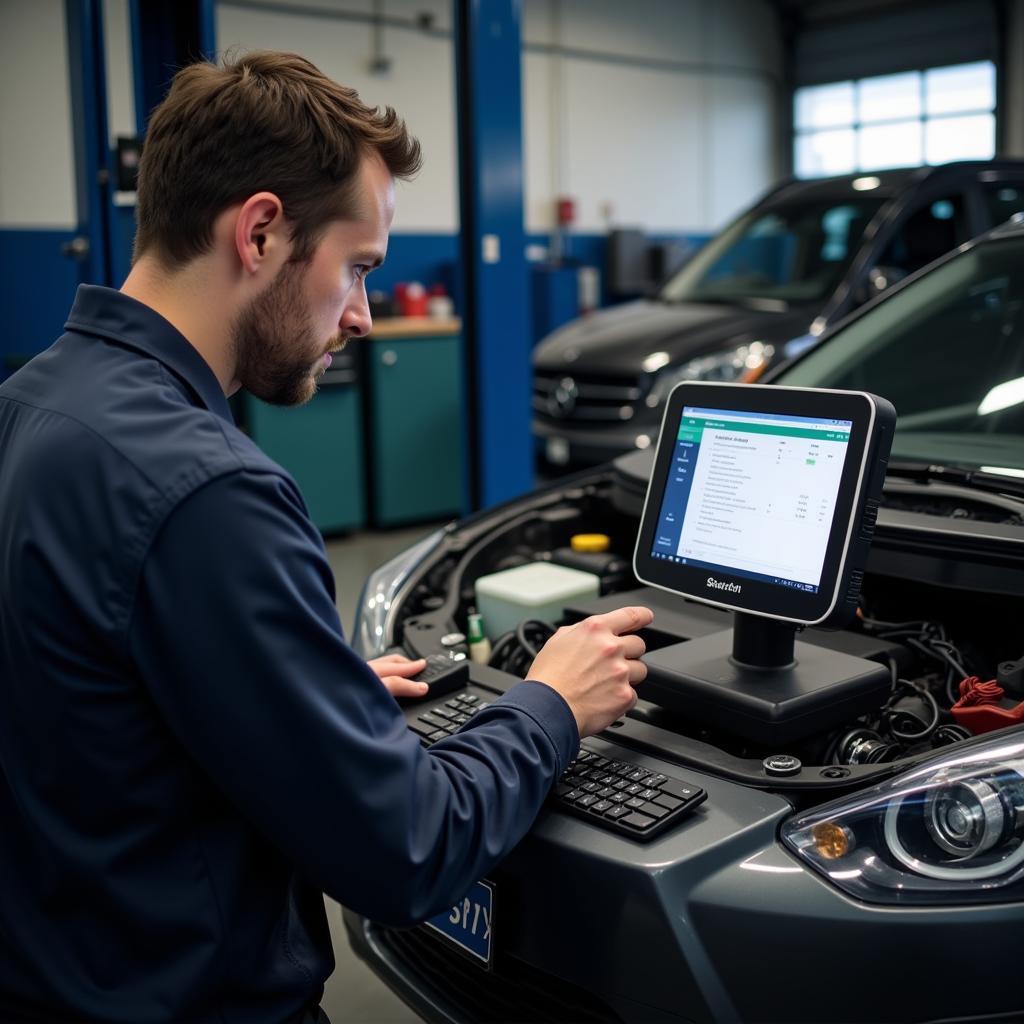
<point x="261" y="236"/>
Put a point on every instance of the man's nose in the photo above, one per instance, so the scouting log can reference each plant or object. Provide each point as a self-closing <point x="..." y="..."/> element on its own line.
<point x="356" y="320"/>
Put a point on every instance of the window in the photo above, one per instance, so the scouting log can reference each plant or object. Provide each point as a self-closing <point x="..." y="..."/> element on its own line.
<point x="904" y="120"/>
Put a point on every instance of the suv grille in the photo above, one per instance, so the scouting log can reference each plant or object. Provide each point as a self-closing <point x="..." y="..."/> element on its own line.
<point x="512" y="991"/>
<point x="566" y="396"/>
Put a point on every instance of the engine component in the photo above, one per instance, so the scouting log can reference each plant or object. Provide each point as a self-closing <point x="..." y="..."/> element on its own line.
<point x="1010" y="676"/>
<point x="864" y="746"/>
<point x="535" y="591"/>
<point x="978" y="707"/>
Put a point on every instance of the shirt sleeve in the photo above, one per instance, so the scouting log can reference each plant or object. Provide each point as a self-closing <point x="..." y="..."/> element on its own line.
<point x="236" y="636"/>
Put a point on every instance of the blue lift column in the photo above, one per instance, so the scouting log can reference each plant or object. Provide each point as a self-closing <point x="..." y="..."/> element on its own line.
<point x="166" y="35"/>
<point x="495" y="283"/>
<point x="87" y="80"/>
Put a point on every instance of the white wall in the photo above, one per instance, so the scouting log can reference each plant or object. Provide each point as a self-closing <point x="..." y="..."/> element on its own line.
<point x="120" y="80"/>
<point x="420" y="84"/>
<point x="661" y="114"/>
<point x="36" y="151"/>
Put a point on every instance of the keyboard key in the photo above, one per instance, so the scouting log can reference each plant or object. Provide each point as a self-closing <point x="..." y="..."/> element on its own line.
<point x="633" y="789"/>
<point x="573" y="795"/>
<point x="620" y="785"/>
<point x="588" y="800"/>
<point x="603" y="805"/>
<point x="637" y="820"/>
<point x="617" y="812"/>
<point x="681" y="791"/>
<point x="605" y="793"/>
<point x="654" y="811"/>
<point x="618" y="798"/>
<point x="647" y="794"/>
<point x="435" y="720"/>
<point x="421" y="729"/>
<point x="590" y="787"/>
<point x="638" y="775"/>
<point x="668" y="801"/>
<point x="470" y="698"/>
<point x="635" y="802"/>
<point x="656" y="780"/>
<point x="438" y="735"/>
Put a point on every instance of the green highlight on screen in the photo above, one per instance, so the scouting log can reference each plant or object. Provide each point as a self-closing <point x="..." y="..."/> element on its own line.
<point x="691" y="428"/>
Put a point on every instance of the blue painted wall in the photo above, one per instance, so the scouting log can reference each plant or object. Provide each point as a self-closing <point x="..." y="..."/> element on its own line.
<point x="37" y="287"/>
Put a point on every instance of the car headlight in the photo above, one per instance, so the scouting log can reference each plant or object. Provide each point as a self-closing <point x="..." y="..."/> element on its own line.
<point x="374" y="625"/>
<point x="949" y="831"/>
<point x="744" y="363"/>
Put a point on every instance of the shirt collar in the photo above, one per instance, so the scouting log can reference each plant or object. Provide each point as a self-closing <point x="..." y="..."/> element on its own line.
<point x="109" y="313"/>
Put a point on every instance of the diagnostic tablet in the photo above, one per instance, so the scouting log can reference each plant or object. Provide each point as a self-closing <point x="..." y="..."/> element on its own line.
<point x="763" y="499"/>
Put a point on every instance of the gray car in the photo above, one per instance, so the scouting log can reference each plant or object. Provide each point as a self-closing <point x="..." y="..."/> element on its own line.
<point x="794" y="264"/>
<point x="874" y="873"/>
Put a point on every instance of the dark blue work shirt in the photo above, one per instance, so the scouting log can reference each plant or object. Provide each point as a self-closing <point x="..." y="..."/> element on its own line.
<point x="189" y="751"/>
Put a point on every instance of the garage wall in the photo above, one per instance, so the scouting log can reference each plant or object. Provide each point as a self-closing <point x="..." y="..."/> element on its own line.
<point x="38" y="207"/>
<point x="651" y="114"/>
<point x="654" y="114"/>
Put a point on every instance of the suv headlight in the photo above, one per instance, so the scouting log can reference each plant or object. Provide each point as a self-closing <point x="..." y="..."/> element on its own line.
<point x="949" y="831"/>
<point x="374" y="625"/>
<point x="744" y="363"/>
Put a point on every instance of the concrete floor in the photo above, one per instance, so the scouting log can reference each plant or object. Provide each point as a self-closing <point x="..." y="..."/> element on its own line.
<point x="353" y="994"/>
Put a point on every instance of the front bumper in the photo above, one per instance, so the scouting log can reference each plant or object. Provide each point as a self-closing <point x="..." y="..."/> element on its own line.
<point x="589" y="445"/>
<point x="712" y="922"/>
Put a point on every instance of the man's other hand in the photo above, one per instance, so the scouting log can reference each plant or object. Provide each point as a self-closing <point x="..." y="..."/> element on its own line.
<point x="595" y="664"/>
<point x="395" y="671"/>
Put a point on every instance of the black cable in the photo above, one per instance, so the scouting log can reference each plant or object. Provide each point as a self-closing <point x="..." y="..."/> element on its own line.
<point x="515" y="651"/>
<point x="926" y="695"/>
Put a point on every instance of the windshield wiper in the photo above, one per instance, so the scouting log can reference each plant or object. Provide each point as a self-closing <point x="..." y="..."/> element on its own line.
<point x="978" y="479"/>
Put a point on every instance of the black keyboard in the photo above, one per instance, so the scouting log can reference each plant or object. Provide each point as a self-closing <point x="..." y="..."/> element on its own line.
<point x="619" y="796"/>
<point x="623" y="797"/>
<point x="442" y="721"/>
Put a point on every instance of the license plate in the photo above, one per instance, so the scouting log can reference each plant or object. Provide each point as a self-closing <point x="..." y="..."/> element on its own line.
<point x="557" y="449"/>
<point x="469" y="925"/>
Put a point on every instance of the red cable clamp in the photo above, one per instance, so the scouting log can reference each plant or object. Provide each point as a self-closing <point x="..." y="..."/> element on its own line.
<point x="978" y="707"/>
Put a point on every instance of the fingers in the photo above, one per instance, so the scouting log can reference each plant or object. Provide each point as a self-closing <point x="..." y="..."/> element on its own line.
<point x="397" y="665"/>
<point x="632" y="646"/>
<point x="626" y="620"/>
<point x="398" y="686"/>
<point x="637" y="671"/>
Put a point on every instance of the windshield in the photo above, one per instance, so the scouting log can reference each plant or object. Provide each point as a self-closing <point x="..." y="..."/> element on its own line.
<point x="948" y="352"/>
<point x="793" y="252"/>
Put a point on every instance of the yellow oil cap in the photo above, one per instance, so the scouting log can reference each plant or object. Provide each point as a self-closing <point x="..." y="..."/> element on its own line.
<point x="590" y="542"/>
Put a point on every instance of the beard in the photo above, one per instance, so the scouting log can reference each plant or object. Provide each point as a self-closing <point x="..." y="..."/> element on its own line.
<point x="277" y="356"/>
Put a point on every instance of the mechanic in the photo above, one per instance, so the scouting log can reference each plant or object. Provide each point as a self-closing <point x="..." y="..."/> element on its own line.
<point x="190" y="753"/>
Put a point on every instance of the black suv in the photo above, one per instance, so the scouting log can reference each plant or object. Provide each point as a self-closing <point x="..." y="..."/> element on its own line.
<point x="756" y="295"/>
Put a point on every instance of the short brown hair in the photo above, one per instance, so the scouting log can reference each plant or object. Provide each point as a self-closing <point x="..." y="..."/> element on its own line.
<point x="263" y="122"/>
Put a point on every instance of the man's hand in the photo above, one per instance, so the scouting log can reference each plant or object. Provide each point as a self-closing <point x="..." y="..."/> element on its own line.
<point x="594" y="666"/>
<point x="394" y="671"/>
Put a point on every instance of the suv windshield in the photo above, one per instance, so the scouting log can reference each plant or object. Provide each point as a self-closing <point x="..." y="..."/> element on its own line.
<point x="948" y="352"/>
<point x="791" y="252"/>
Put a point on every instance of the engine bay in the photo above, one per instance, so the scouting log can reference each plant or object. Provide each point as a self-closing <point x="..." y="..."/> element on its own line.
<point x="944" y="623"/>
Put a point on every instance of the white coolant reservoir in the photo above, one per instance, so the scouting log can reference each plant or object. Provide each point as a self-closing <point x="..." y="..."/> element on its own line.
<point x="539" y="590"/>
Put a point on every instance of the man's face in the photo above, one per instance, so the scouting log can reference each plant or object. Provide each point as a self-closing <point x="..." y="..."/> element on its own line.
<point x="284" y="336"/>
